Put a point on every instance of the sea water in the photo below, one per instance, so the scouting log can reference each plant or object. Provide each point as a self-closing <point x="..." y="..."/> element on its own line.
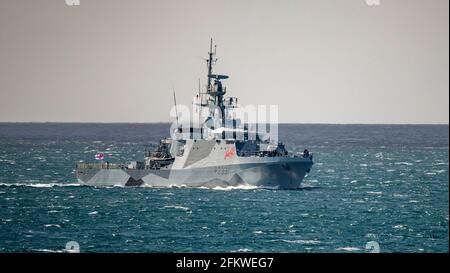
<point x="382" y="183"/>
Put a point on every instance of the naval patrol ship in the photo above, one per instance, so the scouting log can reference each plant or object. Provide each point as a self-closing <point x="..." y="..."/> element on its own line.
<point x="219" y="152"/>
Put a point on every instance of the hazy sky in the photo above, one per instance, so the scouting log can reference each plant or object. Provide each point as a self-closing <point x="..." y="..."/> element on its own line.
<point x="321" y="61"/>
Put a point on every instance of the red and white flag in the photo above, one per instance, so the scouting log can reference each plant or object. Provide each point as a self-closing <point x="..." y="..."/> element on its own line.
<point x="100" y="156"/>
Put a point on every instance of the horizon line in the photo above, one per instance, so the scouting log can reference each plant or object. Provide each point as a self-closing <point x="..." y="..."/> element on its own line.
<point x="168" y="122"/>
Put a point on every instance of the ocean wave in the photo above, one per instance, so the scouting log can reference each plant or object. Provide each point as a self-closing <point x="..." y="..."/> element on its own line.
<point x="241" y="250"/>
<point x="305" y="186"/>
<point x="375" y="192"/>
<point x="203" y="187"/>
<point x="47" y="250"/>
<point x="9" y="161"/>
<point x="52" y="225"/>
<point x="177" y="207"/>
<point x="54" y="211"/>
<point x="244" y="250"/>
<point x="171" y="186"/>
<point x="349" y="248"/>
<point x="238" y="187"/>
<point x="40" y="185"/>
<point x="110" y="187"/>
<point x="399" y="195"/>
<point x="404" y="163"/>
<point x="302" y="242"/>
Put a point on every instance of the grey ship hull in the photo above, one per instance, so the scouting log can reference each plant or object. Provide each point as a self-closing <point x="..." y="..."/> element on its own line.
<point x="279" y="172"/>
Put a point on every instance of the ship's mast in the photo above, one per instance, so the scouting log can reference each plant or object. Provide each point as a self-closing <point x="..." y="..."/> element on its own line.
<point x="216" y="91"/>
<point x="210" y="61"/>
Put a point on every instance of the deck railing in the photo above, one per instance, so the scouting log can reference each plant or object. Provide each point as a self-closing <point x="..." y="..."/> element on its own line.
<point x="265" y="154"/>
<point x="99" y="166"/>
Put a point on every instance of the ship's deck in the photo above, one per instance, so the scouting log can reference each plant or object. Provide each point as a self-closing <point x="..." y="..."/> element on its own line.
<point x="99" y="166"/>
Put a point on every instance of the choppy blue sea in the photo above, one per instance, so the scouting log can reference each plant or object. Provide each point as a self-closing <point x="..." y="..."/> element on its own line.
<point x="383" y="183"/>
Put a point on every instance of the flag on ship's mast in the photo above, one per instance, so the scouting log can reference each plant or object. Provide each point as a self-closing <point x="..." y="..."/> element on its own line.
<point x="100" y="156"/>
